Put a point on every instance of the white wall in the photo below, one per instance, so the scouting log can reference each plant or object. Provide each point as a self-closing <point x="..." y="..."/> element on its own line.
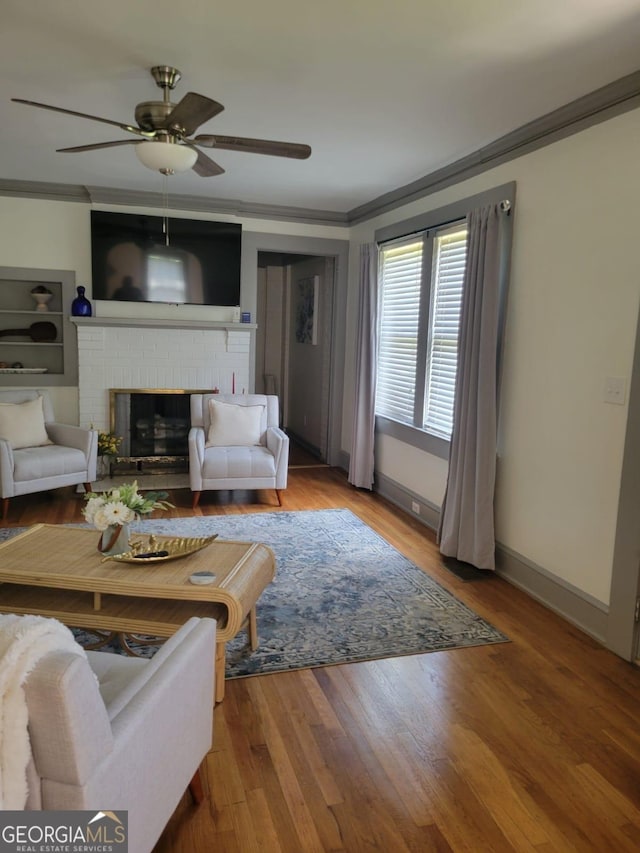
<point x="571" y="322"/>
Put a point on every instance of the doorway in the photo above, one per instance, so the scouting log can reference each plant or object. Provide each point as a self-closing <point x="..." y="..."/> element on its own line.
<point x="295" y="305"/>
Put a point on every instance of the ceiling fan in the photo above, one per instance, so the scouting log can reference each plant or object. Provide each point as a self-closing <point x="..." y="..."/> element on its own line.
<point x="165" y="131"/>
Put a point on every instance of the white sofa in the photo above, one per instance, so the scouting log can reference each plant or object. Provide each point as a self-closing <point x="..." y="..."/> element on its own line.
<point x="260" y="465"/>
<point x="131" y="738"/>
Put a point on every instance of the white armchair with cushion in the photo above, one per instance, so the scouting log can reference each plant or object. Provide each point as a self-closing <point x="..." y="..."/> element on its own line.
<point x="36" y="453"/>
<point x="112" y="732"/>
<point x="235" y="442"/>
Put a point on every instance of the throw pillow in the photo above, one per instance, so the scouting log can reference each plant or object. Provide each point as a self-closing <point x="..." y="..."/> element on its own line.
<point x="22" y="424"/>
<point x="233" y="425"/>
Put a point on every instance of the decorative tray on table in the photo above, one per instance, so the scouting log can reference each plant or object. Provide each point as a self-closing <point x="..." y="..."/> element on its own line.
<point x="154" y="551"/>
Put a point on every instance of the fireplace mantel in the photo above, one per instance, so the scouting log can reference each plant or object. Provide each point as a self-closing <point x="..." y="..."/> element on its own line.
<point x="153" y="323"/>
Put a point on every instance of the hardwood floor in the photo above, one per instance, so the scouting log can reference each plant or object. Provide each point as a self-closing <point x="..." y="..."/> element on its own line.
<point x="532" y="745"/>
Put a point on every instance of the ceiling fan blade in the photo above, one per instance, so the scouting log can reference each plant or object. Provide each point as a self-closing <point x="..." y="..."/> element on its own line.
<point x="255" y="146"/>
<point x="192" y="111"/>
<point x="205" y="166"/>
<point x="98" y="145"/>
<point x="128" y="127"/>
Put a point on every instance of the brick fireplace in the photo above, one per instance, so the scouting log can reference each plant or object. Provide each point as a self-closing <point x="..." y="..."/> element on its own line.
<point x="149" y="354"/>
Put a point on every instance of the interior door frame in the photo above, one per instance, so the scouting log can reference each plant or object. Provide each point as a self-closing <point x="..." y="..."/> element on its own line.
<point x="623" y="631"/>
<point x="254" y="242"/>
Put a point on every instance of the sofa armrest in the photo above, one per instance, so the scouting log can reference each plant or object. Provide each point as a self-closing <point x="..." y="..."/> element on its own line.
<point x="186" y="637"/>
<point x="68" y="724"/>
<point x="278" y="444"/>
<point x="7" y="489"/>
<point x="183" y="669"/>
<point x="67" y="435"/>
<point x="196" y="458"/>
<point x="80" y="438"/>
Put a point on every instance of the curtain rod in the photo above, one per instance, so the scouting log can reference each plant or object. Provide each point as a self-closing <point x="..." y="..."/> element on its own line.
<point x="504" y="206"/>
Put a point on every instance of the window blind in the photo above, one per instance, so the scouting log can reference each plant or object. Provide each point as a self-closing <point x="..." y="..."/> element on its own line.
<point x="400" y="277"/>
<point x="442" y="354"/>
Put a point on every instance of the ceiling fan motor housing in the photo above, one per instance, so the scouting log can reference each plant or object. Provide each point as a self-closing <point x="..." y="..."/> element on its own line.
<point x="152" y="115"/>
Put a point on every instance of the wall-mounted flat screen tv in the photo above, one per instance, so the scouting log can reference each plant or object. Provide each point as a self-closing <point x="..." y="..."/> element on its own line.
<point x="132" y="260"/>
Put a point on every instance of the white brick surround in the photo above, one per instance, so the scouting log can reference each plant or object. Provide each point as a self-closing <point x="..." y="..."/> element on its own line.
<point x="120" y="355"/>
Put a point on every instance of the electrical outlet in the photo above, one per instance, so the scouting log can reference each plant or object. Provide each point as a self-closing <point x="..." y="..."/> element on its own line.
<point x="615" y="390"/>
<point x="415" y="507"/>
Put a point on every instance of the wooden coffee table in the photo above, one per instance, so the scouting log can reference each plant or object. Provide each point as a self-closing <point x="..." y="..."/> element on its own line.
<point x="56" y="571"/>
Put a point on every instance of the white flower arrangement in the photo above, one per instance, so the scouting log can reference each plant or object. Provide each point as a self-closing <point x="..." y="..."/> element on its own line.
<point x="121" y="505"/>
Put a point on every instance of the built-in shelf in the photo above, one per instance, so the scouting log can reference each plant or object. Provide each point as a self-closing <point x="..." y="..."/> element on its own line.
<point x="18" y="312"/>
<point x="39" y="315"/>
<point x="8" y="343"/>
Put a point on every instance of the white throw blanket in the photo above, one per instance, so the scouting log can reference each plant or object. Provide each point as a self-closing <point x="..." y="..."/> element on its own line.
<point x="23" y="641"/>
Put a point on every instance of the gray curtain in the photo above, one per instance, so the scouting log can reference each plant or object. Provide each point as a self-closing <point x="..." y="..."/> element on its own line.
<point x="361" y="463"/>
<point x="467" y="517"/>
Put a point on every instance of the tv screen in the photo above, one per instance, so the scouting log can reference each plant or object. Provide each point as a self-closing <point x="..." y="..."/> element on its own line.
<point x="131" y="260"/>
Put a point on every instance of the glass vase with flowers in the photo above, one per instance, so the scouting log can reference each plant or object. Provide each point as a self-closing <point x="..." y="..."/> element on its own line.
<point x="112" y="512"/>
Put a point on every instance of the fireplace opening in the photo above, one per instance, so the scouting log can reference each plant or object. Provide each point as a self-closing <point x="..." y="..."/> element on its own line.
<point x="154" y="427"/>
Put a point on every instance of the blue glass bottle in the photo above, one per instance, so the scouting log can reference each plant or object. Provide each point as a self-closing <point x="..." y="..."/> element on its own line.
<point x="80" y="307"/>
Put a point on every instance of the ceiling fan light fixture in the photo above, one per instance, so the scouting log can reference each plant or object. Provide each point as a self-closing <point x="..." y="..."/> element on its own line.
<point x="166" y="157"/>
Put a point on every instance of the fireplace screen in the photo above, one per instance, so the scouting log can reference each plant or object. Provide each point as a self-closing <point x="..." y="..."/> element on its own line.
<point x="151" y="423"/>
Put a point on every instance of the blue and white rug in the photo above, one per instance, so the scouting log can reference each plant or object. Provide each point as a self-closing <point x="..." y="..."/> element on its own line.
<point x="341" y="594"/>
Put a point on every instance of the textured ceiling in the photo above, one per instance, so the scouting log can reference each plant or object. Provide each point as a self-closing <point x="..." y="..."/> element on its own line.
<point x="384" y="92"/>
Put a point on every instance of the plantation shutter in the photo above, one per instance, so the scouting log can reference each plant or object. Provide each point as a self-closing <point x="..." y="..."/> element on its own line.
<point x="446" y="302"/>
<point x="400" y="277"/>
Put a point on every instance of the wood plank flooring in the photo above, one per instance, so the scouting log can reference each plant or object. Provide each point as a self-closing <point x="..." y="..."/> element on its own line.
<point x="532" y="745"/>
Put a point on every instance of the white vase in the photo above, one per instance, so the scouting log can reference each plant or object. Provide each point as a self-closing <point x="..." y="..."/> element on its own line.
<point x="114" y="540"/>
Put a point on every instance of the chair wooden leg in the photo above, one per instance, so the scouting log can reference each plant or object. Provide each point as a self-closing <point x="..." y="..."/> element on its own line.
<point x="196" y="788"/>
<point x="5" y="507"/>
<point x="87" y="488"/>
<point x="221" y="659"/>
<point x="279" y="496"/>
<point x="195" y="499"/>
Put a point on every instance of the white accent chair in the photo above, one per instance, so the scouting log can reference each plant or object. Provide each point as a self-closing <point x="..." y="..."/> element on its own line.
<point x="69" y="459"/>
<point x="123" y="733"/>
<point x="263" y="465"/>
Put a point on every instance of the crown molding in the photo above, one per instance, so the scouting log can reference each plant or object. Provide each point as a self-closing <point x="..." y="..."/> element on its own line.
<point x="46" y="191"/>
<point x="600" y="105"/>
<point x="230" y="207"/>
<point x="134" y="198"/>
<point x="607" y="102"/>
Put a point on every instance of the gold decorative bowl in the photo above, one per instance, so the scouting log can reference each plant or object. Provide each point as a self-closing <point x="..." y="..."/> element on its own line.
<point x="153" y="550"/>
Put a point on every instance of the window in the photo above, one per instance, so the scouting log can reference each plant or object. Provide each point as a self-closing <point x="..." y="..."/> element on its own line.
<point x="421" y="280"/>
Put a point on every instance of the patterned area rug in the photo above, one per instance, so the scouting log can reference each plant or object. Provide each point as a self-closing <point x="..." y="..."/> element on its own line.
<point x="341" y="594"/>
